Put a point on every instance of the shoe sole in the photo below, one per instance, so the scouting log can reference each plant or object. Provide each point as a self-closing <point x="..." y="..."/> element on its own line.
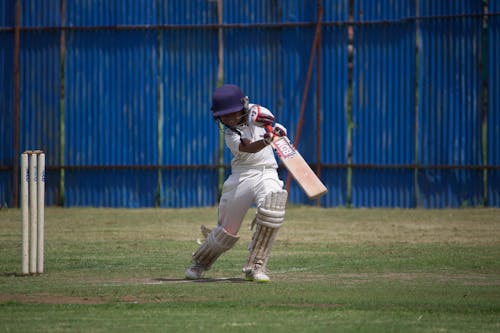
<point x="250" y="279"/>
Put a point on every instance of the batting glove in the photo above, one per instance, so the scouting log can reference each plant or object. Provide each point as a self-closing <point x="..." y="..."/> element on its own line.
<point x="279" y="129"/>
<point x="260" y="116"/>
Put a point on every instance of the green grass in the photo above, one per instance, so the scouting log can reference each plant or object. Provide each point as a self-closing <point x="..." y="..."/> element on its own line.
<point x="345" y="270"/>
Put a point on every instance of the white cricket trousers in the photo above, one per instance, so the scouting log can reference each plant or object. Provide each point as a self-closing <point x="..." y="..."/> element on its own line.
<point x="242" y="189"/>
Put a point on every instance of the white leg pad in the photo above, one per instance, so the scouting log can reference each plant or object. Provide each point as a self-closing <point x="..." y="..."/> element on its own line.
<point x="218" y="241"/>
<point x="270" y="216"/>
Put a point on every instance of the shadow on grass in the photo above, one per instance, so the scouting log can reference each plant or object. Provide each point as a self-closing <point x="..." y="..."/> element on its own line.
<point x="10" y="274"/>
<point x="203" y="280"/>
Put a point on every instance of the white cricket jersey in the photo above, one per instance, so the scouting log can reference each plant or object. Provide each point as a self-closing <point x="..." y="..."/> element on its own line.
<point x="245" y="161"/>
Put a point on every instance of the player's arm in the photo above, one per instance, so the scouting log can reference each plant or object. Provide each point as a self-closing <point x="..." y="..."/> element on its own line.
<point x="248" y="146"/>
<point x="236" y="143"/>
<point x="261" y="117"/>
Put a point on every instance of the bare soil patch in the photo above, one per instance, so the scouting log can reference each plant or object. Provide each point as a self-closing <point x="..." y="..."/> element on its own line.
<point x="51" y="299"/>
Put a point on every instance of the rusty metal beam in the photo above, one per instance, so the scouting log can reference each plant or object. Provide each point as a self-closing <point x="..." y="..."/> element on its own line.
<point x="216" y="166"/>
<point x="62" y="105"/>
<point x="216" y="26"/>
<point x="318" y="103"/>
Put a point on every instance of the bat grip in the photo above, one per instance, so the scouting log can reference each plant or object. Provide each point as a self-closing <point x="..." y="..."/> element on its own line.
<point x="269" y="129"/>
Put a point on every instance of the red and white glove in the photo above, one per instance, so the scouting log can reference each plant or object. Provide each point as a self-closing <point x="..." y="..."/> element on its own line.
<point x="260" y="116"/>
<point x="279" y="130"/>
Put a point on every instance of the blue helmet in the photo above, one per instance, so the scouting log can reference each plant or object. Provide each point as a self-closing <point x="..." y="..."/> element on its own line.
<point x="228" y="99"/>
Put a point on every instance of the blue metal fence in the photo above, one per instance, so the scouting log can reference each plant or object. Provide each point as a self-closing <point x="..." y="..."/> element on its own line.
<point x="6" y="103"/>
<point x="449" y="115"/>
<point x="118" y="93"/>
<point x="492" y="73"/>
<point x="383" y="107"/>
<point x="334" y="120"/>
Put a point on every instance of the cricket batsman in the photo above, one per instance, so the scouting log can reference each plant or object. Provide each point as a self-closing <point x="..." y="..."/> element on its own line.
<point x="253" y="180"/>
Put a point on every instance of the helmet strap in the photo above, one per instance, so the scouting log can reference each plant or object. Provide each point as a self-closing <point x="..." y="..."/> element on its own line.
<point x="234" y="129"/>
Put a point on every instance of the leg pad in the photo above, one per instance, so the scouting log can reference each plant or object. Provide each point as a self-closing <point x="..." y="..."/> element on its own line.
<point x="218" y="241"/>
<point x="270" y="216"/>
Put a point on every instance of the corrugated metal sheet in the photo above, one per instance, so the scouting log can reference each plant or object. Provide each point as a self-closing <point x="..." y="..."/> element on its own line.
<point x="334" y="98"/>
<point x="383" y="109"/>
<point x="188" y="73"/>
<point x="40" y="86"/>
<point x="45" y="13"/>
<point x="111" y="110"/>
<point x="110" y="102"/>
<point x="110" y="188"/>
<point x="493" y="119"/>
<point x="6" y="101"/>
<point x="134" y="129"/>
<point x="95" y="13"/>
<point x="450" y="108"/>
<point x="7" y="13"/>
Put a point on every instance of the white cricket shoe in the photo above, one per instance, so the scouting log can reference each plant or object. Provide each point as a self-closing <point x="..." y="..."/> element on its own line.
<point x="256" y="274"/>
<point x="195" y="272"/>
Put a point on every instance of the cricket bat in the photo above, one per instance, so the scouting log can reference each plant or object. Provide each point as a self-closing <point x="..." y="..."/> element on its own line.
<point x="297" y="166"/>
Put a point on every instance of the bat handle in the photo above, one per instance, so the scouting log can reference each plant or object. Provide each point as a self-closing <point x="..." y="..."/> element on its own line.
<point x="269" y="129"/>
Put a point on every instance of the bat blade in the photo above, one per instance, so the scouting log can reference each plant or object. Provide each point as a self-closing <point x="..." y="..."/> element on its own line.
<point x="298" y="167"/>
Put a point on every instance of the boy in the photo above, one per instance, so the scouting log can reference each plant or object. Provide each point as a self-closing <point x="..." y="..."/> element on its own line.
<point x="253" y="180"/>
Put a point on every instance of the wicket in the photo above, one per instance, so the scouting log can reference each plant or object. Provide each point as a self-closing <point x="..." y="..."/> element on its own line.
<point x="32" y="206"/>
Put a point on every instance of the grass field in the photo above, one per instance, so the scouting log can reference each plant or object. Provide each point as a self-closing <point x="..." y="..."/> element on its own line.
<point x="342" y="270"/>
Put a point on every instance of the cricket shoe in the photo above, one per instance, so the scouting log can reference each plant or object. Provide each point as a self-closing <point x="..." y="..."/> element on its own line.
<point x="257" y="274"/>
<point x="195" y="272"/>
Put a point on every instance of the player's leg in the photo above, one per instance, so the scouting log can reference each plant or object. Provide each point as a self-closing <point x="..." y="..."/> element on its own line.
<point x="235" y="201"/>
<point x="269" y="218"/>
<point x="234" y="205"/>
<point x="218" y="241"/>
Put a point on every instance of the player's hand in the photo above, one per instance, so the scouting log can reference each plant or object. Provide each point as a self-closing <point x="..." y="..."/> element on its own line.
<point x="279" y="130"/>
<point x="268" y="138"/>
<point x="260" y="116"/>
